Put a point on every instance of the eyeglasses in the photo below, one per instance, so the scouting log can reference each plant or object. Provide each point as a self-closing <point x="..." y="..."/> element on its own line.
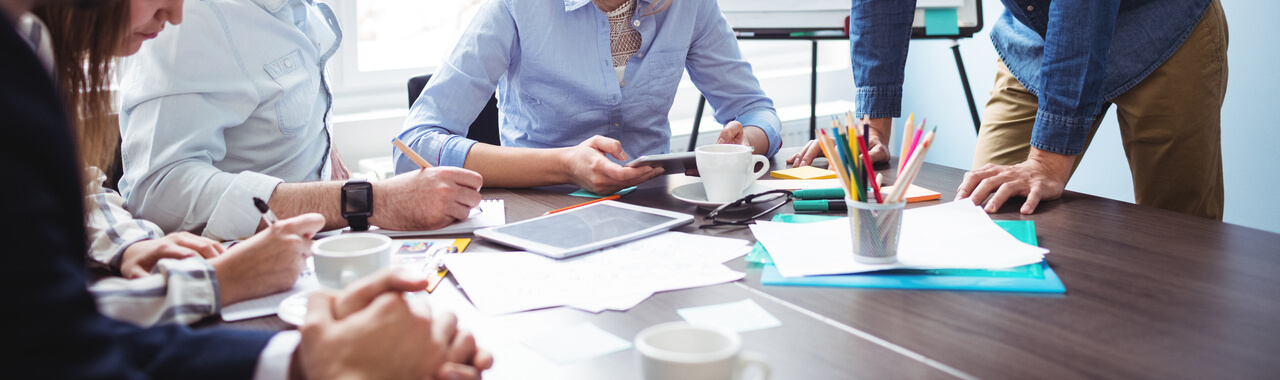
<point x="782" y="197"/>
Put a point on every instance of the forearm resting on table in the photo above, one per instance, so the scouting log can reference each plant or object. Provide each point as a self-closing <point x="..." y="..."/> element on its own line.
<point x="511" y="167"/>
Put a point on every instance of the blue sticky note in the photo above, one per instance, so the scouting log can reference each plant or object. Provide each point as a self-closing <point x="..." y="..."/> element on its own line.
<point x="587" y="194"/>
<point x="941" y="22"/>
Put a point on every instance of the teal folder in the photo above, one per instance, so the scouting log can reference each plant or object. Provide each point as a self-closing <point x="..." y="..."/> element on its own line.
<point x="1034" y="278"/>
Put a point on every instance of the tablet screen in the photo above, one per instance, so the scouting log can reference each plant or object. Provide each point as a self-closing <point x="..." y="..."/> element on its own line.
<point x="582" y="226"/>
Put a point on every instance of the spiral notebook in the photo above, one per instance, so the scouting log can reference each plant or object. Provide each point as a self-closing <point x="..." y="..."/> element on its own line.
<point x="490" y="212"/>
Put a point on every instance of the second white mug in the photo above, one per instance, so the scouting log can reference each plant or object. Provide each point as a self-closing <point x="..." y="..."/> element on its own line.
<point x="682" y="351"/>
<point x="728" y="169"/>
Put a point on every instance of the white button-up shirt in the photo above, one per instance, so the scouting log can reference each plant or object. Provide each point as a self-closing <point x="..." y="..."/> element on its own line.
<point x="222" y="108"/>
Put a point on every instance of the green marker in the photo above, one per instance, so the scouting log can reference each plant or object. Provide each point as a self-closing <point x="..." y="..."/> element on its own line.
<point x="832" y="193"/>
<point x="820" y="205"/>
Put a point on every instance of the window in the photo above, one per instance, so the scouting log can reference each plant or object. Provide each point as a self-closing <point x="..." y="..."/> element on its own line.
<point x="407" y="34"/>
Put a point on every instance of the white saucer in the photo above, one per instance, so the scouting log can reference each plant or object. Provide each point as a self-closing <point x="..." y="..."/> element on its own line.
<point x="696" y="194"/>
<point x="293" y="310"/>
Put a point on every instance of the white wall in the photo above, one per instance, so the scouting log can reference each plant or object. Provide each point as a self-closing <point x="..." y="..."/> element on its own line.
<point x="1249" y="137"/>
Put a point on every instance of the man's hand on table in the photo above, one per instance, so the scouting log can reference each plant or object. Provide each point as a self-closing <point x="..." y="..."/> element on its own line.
<point x="1043" y="176"/>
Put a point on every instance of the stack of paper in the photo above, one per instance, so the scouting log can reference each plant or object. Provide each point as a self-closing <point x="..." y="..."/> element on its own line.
<point x="956" y="235"/>
<point x="614" y="278"/>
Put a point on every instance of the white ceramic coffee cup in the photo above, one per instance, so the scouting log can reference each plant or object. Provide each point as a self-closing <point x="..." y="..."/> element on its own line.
<point x="342" y="259"/>
<point x="680" y="351"/>
<point x="727" y="170"/>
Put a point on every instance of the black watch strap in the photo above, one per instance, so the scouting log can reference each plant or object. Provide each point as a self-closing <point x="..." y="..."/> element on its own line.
<point x="358" y="222"/>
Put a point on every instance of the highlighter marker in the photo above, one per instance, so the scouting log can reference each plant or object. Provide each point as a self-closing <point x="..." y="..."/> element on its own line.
<point x="820" y="205"/>
<point x="832" y="193"/>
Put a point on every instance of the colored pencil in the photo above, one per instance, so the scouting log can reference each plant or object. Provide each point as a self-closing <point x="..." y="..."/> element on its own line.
<point x="908" y="130"/>
<point x="608" y="198"/>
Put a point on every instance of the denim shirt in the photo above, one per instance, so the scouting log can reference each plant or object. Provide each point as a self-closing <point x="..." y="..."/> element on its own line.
<point x="224" y="107"/>
<point x="551" y="63"/>
<point x="1058" y="50"/>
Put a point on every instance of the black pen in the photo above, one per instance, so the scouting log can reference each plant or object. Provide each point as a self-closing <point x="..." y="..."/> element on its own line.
<point x="267" y="216"/>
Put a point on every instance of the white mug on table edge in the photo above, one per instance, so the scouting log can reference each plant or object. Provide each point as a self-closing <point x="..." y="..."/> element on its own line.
<point x="728" y="169"/>
<point x="683" y="351"/>
<point x="343" y="259"/>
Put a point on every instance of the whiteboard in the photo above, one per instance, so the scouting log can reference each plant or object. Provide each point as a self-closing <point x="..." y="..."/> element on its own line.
<point x="824" y="14"/>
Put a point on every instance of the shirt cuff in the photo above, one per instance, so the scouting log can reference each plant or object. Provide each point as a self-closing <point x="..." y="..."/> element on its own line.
<point x="1060" y="134"/>
<point x="768" y="121"/>
<point x="436" y="145"/>
<point x="878" y="102"/>
<point x="235" y="217"/>
<point x="277" y="356"/>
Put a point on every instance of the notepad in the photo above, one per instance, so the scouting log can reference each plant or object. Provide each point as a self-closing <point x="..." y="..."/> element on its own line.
<point x="490" y="212"/>
<point x="268" y="305"/>
<point x="803" y="172"/>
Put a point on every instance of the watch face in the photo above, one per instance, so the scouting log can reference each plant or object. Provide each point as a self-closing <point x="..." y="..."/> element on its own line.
<point x="356" y="199"/>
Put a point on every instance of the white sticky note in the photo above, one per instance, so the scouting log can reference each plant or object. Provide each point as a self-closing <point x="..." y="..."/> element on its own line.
<point x="745" y="315"/>
<point x="576" y="343"/>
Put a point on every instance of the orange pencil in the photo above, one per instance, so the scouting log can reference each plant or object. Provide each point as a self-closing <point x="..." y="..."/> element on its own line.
<point x="608" y="198"/>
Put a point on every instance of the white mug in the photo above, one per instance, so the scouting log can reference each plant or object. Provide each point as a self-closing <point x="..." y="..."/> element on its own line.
<point x="727" y="170"/>
<point x="680" y="351"/>
<point x="342" y="259"/>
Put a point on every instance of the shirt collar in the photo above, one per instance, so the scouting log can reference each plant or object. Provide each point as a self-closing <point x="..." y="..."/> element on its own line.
<point x="570" y="5"/>
<point x="272" y="6"/>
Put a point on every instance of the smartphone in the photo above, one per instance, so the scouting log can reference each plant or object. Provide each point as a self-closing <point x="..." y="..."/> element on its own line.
<point x="671" y="163"/>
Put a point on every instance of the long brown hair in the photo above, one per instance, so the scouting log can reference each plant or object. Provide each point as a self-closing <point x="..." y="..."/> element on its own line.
<point x="85" y="42"/>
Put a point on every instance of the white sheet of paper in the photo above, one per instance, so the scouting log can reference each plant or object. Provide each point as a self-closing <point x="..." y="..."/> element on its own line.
<point x="268" y="305"/>
<point x="584" y="341"/>
<point x="745" y="315"/>
<point x="614" y="278"/>
<point x="955" y="235"/>
<point x="490" y="212"/>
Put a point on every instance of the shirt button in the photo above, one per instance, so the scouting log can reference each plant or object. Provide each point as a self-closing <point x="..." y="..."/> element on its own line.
<point x="617" y="124"/>
<point x="639" y="55"/>
<point x="636" y="23"/>
<point x="288" y="62"/>
<point x="622" y="84"/>
<point x="1030" y="8"/>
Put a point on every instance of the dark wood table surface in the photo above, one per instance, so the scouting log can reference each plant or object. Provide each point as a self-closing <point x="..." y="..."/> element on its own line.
<point x="1150" y="294"/>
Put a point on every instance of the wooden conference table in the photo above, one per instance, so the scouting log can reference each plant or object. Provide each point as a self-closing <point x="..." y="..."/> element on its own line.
<point x="1150" y="294"/>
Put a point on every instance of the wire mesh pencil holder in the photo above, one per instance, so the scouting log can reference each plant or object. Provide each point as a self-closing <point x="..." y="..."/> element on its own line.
<point x="875" y="228"/>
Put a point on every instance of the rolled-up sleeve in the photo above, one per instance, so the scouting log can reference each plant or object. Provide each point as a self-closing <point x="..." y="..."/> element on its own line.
<point x="717" y="68"/>
<point x="441" y="117"/>
<point x="173" y="126"/>
<point x="879" y="36"/>
<point x="1077" y="45"/>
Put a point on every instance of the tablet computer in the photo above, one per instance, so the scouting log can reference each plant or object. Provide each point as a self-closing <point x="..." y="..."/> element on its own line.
<point x="671" y="163"/>
<point x="586" y="228"/>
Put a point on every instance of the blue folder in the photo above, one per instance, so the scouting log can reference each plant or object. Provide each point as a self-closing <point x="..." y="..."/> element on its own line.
<point x="1033" y="278"/>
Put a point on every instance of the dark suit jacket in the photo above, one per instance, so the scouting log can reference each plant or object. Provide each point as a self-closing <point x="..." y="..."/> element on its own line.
<point x="52" y="328"/>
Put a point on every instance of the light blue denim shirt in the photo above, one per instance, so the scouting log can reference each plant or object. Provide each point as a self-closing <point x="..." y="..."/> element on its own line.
<point x="551" y="63"/>
<point x="1074" y="55"/>
<point x="222" y="108"/>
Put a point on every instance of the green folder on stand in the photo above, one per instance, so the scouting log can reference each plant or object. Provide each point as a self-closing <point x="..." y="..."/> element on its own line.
<point x="1033" y="278"/>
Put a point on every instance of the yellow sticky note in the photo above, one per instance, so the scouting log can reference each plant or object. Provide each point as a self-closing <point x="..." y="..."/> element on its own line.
<point x="803" y="172"/>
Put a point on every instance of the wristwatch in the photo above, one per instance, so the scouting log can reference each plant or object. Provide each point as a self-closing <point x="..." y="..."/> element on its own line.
<point x="357" y="203"/>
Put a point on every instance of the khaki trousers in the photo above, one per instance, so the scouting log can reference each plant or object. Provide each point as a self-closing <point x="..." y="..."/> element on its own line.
<point x="1170" y="124"/>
